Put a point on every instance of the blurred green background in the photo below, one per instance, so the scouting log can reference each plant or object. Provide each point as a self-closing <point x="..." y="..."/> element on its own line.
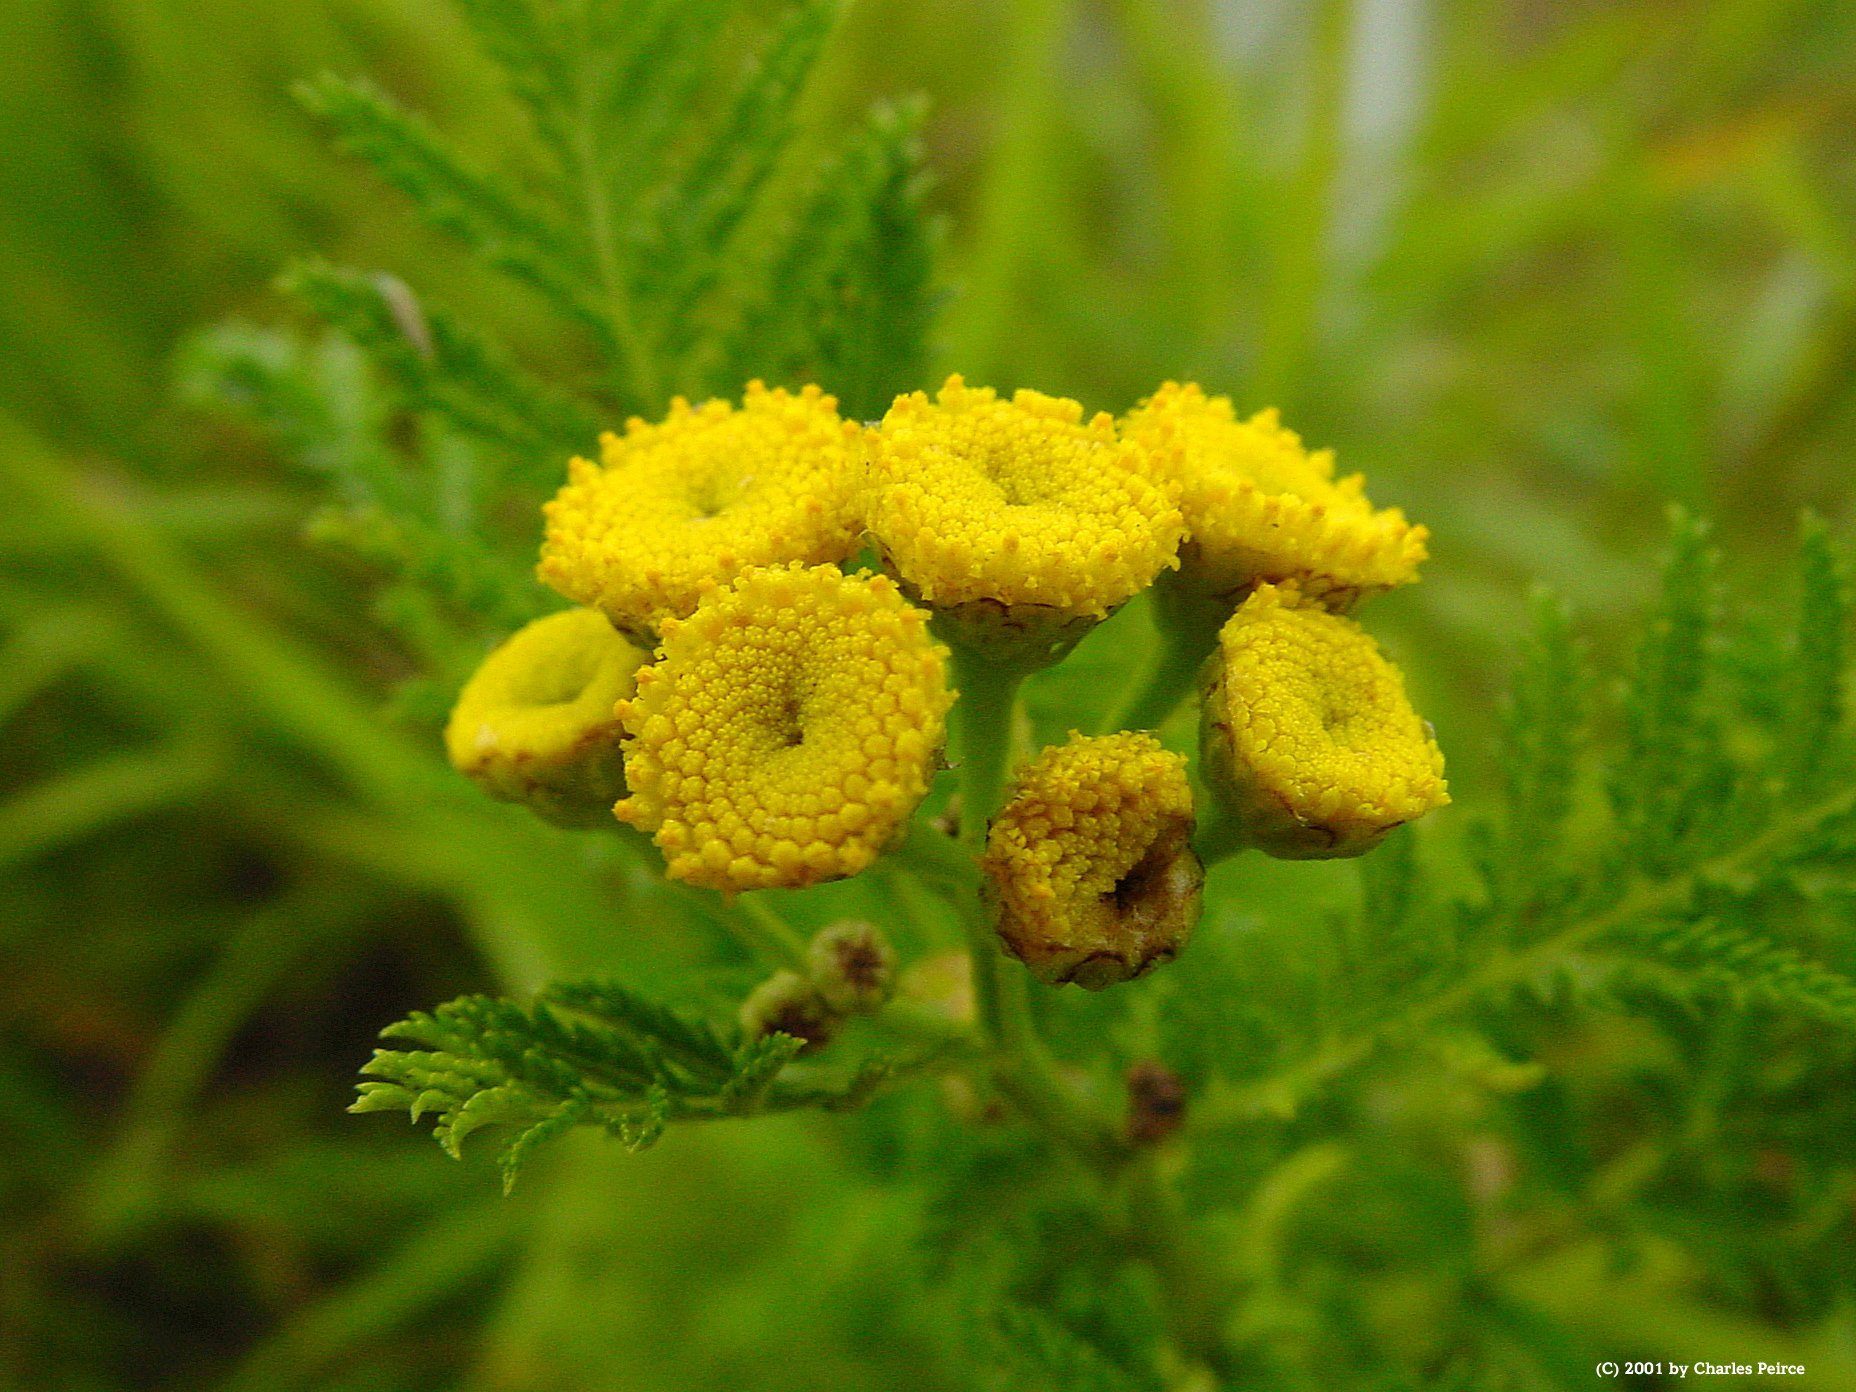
<point x="1535" y="267"/>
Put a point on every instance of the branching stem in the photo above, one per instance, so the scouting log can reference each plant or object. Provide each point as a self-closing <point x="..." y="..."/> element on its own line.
<point x="1187" y="621"/>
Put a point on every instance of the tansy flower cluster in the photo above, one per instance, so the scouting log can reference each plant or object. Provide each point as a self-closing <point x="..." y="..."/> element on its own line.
<point x="785" y="713"/>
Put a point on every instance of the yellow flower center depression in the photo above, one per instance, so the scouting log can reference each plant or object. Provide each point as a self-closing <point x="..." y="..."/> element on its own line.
<point x="707" y="493"/>
<point x="787" y="730"/>
<point x="1020" y="502"/>
<point x="535" y="723"/>
<point x="1310" y="733"/>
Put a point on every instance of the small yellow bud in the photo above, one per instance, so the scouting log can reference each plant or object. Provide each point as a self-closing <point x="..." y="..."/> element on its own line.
<point x="535" y="724"/>
<point x="1306" y="734"/>
<point x="1091" y="862"/>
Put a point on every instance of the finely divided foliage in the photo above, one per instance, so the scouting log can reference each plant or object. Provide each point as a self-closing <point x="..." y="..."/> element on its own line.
<point x="1659" y="845"/>
<point x="1709" y="876"/>
<point x="590" y="1054"/>
<point x="675" y="216"/>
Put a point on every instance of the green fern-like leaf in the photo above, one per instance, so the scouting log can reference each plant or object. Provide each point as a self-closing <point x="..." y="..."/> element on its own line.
<point x="1664" y="740"/>
<point x="1752" y="967"/>
<point x="615" y="1060"/>
<point x="848" y="295"/>
<point x="718" y="189"/>
<point x="448" y="368"/>
<point x="493" y="218"/>
<point x="1815" y="680"/>
<point x="1541" y="734"/>
<point x="455" y="567"/>
<point x="1025" y="1348"/>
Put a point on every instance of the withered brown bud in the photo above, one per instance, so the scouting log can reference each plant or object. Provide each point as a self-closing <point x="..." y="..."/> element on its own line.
<point x="786" y="1003"/>
<point x="1156" y="1103"/>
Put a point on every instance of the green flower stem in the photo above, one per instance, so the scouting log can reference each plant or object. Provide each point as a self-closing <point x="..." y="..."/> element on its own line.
<point x="1188" y="623"/>
<point x="983" y="730"/>
<point x="983" y="736"/>
<point x="1167" y="683"/>
<point x="1195" y="1289"/>
<point x="763" y="931"/>
<point x="1022" y="1069"/>
<point x="1219" y="837"/>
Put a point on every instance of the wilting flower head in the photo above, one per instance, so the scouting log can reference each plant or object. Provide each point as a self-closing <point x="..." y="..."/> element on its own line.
<point x="1091" y="861"/>
<point x="535" y="723"/>
<point x="786" y="730"/>
<point x="703" y="495"/>
<point x="1261" y="507"/>
<point x="977" y="501"/>
<point x="1306" y="732"/>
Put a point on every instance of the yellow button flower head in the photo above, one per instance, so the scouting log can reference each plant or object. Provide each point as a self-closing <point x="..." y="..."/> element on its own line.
<point x="1307" y="735"/>
<point x="1017" y="507"/>
<point x="535" y="723"/>
<point x="1261" y="507"/>
<point x="703" y="495"/>
<point x="787" y="729"/>
<point x="1091" y="861"/>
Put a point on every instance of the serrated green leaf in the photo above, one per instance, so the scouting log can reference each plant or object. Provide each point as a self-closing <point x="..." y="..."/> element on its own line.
<point x="454" y="370"/>
<point x="1541" y="731"/>
<point x="1815" y="679"/>
<point x="494" y="219"/>
<point x="1665" y="755"/>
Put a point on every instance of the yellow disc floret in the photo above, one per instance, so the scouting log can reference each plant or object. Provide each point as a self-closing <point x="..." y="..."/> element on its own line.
<point x="1261" y="507"/>
<point x="535" y="723"/>
<point x="978" y="500"/>
<point x="1307" y="734"/>
<point x="786" y="730"/>
<point x="703" y="495"/>
<point x="1091" y="862"/>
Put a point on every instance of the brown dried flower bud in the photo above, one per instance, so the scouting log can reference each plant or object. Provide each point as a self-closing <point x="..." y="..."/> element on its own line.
<point x="786" y="1003"/>
<point x="852" y="966"/>
<point x="1156" y="1103"/>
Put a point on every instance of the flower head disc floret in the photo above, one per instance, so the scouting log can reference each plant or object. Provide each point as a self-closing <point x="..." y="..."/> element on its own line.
<point x="1091" y="862"/>
<point x="703" y="495"/>
<point x="786" y="730"/>
<point x="1261" y="507"/>
<point x="978" y="500"/>
<point x="535" y="723"/>
<point x="1307" y="734"/>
